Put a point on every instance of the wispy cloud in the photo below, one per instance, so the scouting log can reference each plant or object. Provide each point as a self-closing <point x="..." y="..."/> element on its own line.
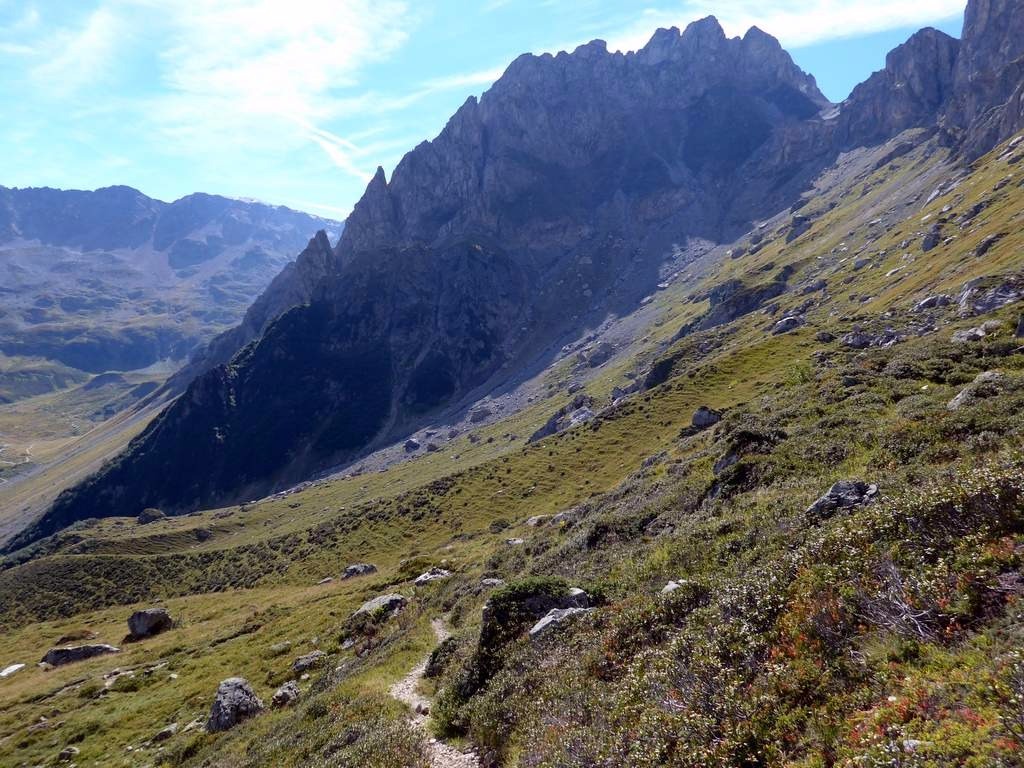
<point x="78" y="56"/>
<point x="794" y="22"/>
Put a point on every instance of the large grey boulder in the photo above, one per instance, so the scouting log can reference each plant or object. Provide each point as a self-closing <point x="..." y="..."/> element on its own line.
<point x="150" y="515"/>
<point x="391" y="604"/>
<point x="705" y="417"/>
<point x="554" y="618"/>
<point x="149" y="622"/>
<point x="359" y="569"/>
<point x="846" y="494"/>
<point x="57" y="657"/>
<point x="787" y="324"/>
<point x="234" y="703"/>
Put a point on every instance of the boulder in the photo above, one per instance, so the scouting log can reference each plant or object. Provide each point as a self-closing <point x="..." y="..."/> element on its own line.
<point x="411" y="446"/>
<point x="846" y="494"/>
<point x="359" y="569"/>
<point x="165" y="733"/>
<point x="67" y="754"/>
<point x="149" y="622"/>
<point x="577" y="412"/>
<point x="933" y="302"/>
<point x="824" y="337"/>
<point x="150" y="515"/>
<point x="856" y="340"/>
<point x="1020" y="328"/>
<point x="308" y="662"/>
<point x="538" y="520"/>
<point x="434" y="574"/>
<point x="787" y="324"/>
<point x="286" y="695"/>
<point x="492" y="583"/>
<point x="57" y="657"/>
<point x="555" y="617"/>
<point x="671" y="587"/>
<point x="390" y="604"/>
<point x="577" y="598"/>
<point x="931" y="240"/>
<point x="985" y="385"/>
<point x="969" y="335"/>
<point x="705" y="417"/>
<point x="234" y="703"/>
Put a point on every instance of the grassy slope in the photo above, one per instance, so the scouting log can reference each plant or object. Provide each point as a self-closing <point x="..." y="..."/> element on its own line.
<point x="436" y="508"/>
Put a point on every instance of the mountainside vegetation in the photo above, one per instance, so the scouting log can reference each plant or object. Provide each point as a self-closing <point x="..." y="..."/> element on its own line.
<point x="770" y="514"/>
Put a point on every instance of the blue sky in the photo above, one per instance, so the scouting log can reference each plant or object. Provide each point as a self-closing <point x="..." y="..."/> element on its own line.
<point x="298" y="101"/>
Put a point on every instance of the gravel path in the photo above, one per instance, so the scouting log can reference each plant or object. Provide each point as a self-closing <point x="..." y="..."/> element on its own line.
<point x="441" y="755"/>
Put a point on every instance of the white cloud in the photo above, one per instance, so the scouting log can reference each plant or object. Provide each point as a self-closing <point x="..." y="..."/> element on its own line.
<point x="794" y="22"/>
<point x="78" y="57"/>
<point x="265" y="74"/>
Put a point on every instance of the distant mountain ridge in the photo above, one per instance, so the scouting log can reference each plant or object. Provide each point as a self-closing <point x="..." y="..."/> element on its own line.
<point x="114" y="280"/>
<point x="551" y="199"/>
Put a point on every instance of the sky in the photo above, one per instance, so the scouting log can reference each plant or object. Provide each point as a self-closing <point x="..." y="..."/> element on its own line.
<point x="296" y="102"/>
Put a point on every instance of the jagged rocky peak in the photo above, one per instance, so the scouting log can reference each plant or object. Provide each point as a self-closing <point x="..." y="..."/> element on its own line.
<point x="910" y="92"/>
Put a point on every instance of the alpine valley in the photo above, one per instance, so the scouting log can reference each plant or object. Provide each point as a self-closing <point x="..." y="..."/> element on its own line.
<point x="658" y="412"/>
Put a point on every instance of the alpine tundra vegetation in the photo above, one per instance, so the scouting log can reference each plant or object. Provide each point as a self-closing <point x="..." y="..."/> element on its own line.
<point x="659" y="412"/>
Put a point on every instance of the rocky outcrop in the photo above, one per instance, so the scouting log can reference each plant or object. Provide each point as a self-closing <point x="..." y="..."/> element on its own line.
<point x="58" y="657"/>
<point x="234" y="703"/>
<point x="434" y="574"/>
<point x="985" y="385"/>
<point x="149" y="622"/>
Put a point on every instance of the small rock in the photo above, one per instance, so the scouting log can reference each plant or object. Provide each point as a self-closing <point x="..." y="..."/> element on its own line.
<point x="538" y="520"/>
<point x="846" y="494"/>
<point x="857" y="340"/>
<point x="434" y="574"/>
<point x="149" y="622"/>
<point x="411" y="446"/>
<point x="932" y="239"/>
<point x="235" y="702"/>
<point x="326" y="580"/>
<point x="824" y="337"/>
<point x="308" y="662"/>
<point x="555" y="617"/>
<point x="10" y="670"/>
<point x="422" y="709"/>
<point x="492" y="583"/>
<point x="705" y="417"/>
<point x="165" y="733"/>
<point x="671" y="587"/>
<point x="359" y="569"/>
<point x="515" y="542"/>
<point x="286" y="695"/>
<point x="57" y="657"/>
<point x="577" y="598"/>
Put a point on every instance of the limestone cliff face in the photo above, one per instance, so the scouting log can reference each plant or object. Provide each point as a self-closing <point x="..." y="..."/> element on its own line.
<point x="988" y="102"/>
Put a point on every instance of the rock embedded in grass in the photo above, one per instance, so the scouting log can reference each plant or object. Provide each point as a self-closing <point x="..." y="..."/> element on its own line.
<point x="359" y="569"/>
<point x="308" y="662"/>
<point x="234" y="703"/>
<point x="286" y="695"/>
<point x="705" y="417"/>
<point x="434" y="574"/>
<point x="553" y="618"/>
<point x="57" y="657"/>
<point x="846" y="494"/>
<point x="390" y="603"/>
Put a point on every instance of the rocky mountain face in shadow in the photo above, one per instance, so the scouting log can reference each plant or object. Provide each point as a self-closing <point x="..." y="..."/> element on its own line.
<point x="553" y="198"/>
<point x="114" y="280"/>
